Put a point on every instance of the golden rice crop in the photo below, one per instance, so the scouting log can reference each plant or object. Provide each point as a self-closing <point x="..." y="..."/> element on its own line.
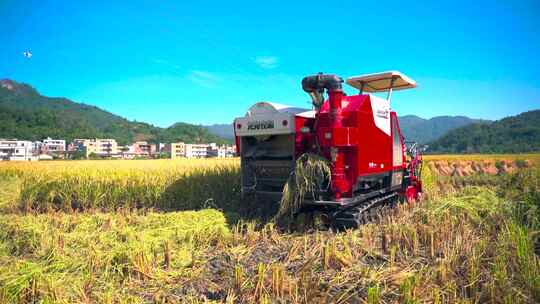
<point x="533" y="157"/>
<point x="109" y="185"/>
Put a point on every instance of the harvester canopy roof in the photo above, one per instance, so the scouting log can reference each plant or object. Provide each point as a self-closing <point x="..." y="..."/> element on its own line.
<point x="381" y="82"/>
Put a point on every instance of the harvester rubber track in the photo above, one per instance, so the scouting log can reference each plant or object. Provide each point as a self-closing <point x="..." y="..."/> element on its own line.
<point x="355" y="216"/>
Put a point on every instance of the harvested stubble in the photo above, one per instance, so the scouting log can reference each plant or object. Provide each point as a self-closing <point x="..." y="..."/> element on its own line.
<point x="461" y="245"/>
<point x="102" y="257"/>
<point x="445" y="251"/>
<point x="474" y="246"/>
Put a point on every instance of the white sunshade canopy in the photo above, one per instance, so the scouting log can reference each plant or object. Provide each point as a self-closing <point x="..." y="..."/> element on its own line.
<point x="381" y="82"/>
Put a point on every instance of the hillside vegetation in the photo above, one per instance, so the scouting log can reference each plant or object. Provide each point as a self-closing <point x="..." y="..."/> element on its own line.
<point x="425" y="130"/>
<point x="222" y="130"/>
<point x="515" y="134"/>
<point x="25" y="114"/>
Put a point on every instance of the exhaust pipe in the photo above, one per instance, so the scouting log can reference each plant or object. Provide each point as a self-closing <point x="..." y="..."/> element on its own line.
<point x="315" y="85"/>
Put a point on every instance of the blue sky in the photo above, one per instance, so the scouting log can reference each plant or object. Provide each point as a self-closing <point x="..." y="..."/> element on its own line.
<point x="206" y="62"/>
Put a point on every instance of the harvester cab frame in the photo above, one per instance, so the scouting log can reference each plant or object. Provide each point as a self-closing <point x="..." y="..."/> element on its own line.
<point x="358" y="135"/>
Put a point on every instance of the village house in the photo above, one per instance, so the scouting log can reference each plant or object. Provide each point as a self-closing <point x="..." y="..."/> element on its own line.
<point x="21" y="150"/>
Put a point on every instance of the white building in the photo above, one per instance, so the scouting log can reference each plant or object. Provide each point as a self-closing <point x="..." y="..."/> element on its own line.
<point x="51" y="146"/>
<point x="36" y="147"/>
<point x="181" y="149"/>
<point x="199" y="150"/>
<point x="16" y="150"/>
<point x="97" y="146"/>
<point x="175" y="150"/>
<point x="161" y="147"/>
<point x="226" y="151"/>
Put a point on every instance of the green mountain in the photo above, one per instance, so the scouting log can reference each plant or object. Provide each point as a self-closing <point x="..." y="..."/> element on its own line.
<point x="425" y="130"/>
<point x="514" y="134"/>
<point x="222" y="130"/>
<point x="26" y="114"/>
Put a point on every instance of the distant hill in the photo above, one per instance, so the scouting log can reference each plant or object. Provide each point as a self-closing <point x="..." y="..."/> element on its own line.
<point x="413" y="127"/>
<point x="425" y="130"/>
<point x="222" y="130"/>
<point x="26" y="114"/>
<point x="514" y="134"/>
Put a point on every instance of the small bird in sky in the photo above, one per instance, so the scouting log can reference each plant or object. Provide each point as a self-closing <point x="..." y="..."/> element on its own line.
<point x="27" y="54"/>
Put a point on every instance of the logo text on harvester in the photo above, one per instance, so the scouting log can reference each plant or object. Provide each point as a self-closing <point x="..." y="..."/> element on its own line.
<point x="260" y="124"/>
<point x="382" y="113"/>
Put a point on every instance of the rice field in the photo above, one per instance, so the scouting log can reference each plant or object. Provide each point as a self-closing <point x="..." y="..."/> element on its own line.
<point x="532" y="157"/>
<point x="111" y="185"/>
<point x="164" y="231"/>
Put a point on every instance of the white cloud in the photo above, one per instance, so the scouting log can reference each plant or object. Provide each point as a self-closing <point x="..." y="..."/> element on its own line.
<point x="203" y="78"/>
<point x="266" y="62"/>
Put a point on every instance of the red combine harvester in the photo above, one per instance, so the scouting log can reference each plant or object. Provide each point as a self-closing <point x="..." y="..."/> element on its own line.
<point x="359" y="135"/>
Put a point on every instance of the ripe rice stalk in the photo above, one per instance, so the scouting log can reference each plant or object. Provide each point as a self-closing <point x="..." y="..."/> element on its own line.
<point x="113" y="185"/>
<point x="311" y="174"/>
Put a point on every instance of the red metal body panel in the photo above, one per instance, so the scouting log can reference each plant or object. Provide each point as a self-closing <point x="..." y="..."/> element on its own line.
<point x="364" y="149"/>
<point x="303" y="140"/>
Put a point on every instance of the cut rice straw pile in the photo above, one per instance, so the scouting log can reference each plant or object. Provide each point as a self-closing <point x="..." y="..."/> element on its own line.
<point x="311" y="174"/>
